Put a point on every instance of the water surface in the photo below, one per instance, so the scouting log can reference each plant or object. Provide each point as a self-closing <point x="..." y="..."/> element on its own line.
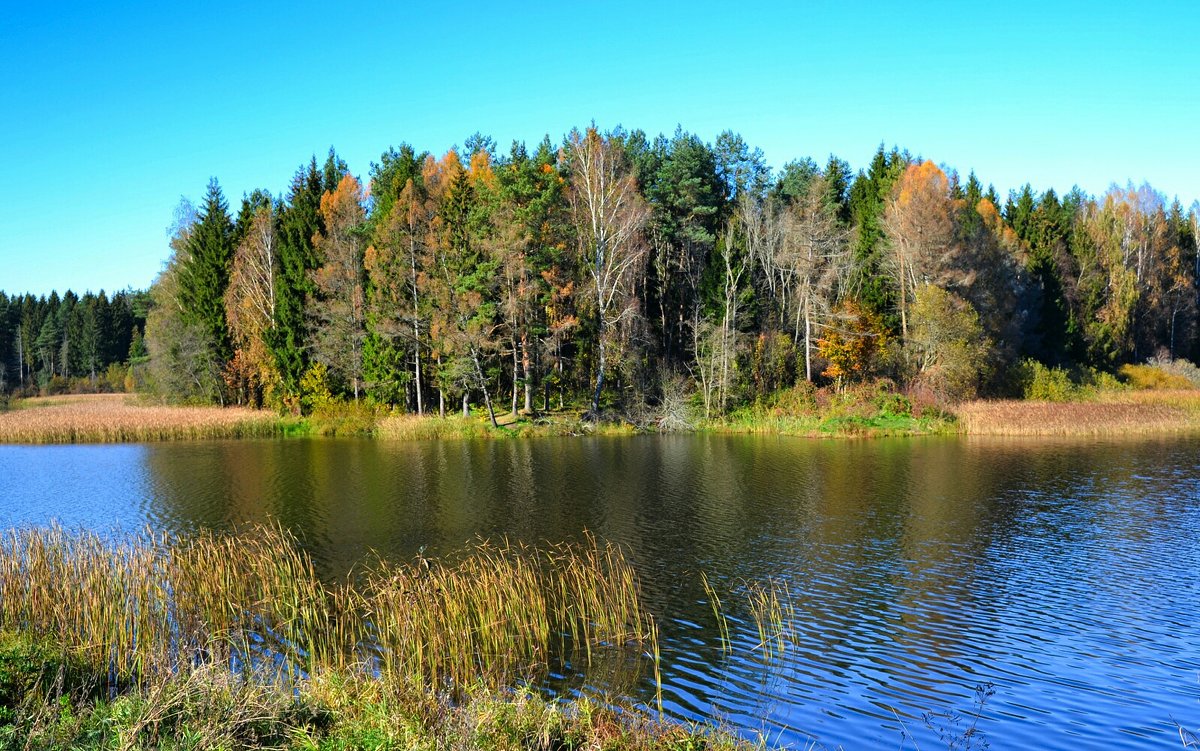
<point x="1064" y="573"/>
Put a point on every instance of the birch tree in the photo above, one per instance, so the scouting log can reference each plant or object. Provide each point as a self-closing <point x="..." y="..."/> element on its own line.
<point x="609" y="216"/>
<point x="250" y="306"/>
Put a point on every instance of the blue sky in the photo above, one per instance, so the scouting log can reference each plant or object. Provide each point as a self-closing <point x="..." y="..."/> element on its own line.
<point x="110" y="114"/>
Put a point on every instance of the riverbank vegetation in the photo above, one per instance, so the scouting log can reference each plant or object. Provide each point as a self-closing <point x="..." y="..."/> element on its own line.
<point x="117" y="418"/>
<point x="233" y="641"/>
<point x="617" y="273"/>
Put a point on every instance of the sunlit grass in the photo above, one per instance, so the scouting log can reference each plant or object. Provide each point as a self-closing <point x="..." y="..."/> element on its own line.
<point x="114" y="418"/>
<point x="1106" y="413"/>
<point x="427" y="427"/>
<point x="143" y="605"/>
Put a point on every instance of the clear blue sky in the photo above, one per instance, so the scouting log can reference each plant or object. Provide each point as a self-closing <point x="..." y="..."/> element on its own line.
<point x="110" y="114"/>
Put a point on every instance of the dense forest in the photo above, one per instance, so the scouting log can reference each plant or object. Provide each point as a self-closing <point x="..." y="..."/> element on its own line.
<point x="54" y="344"/>
<point x="617" y="269"/>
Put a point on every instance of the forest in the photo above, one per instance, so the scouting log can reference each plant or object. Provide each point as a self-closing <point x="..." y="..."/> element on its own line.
<point x="615" y="270"/>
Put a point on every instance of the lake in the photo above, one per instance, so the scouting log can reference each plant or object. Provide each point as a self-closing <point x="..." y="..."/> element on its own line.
<point x="1063" y="573"/>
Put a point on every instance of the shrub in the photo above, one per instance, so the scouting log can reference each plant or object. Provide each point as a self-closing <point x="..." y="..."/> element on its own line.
<point x="798" y="400"/>
<point x="1043" y="383"/>
<point x="1152" y="376"/>
<point x="1178" y="367"/>
<point x="893" y="405"/>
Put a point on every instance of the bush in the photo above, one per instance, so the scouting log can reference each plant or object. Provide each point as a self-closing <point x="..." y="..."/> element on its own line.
<point x="116" y="377"/>
<point x="1150" y="376"/>
<point x="893" y="405"/>
<point x="799" y="400"/>
<point x="1043" y="383"/>
<point x="1179" y="367"/>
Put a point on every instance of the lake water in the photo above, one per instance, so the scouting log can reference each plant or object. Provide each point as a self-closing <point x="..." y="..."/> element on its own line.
<point x="1064" y="573"/>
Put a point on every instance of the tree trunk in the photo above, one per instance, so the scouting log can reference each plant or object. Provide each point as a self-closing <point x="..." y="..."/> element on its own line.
<point x="412" y="258"/>
<point x="487" y="400"/>
<point x="515" y="365"/>
<point x="417" y="370"/>
<point x="441" y="393"/>
<point x="528" y="367"/>
<point x="807" y="341"/>
<point x="599" y="378"/>
<point x="466" y="404"/>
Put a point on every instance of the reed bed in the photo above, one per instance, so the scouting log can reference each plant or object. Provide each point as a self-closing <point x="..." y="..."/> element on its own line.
<point x="115" y="418"/>
<point x="138" y="606"/>
<point x="1123" y="413"/>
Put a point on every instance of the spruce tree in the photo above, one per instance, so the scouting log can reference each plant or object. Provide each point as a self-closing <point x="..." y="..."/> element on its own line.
<point x="299" y="222"/>
<point x="205" y="275"/>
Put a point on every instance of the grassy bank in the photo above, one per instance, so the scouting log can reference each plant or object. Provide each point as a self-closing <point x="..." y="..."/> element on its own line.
<point x="218" y="641"/>
<point x="1104" y="413"/>
<point x="51" y="705"/>
<point x="111" y="418"/>
<point x="562" y="423"/>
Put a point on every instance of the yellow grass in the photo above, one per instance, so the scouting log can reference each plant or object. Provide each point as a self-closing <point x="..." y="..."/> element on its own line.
<point x="143" y="605"/>
<point x="112" y="418"/>
<point x="1108" y="413"/>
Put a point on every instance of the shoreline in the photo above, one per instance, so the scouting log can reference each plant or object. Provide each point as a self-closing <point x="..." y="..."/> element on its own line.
<point x="123" y="418"/>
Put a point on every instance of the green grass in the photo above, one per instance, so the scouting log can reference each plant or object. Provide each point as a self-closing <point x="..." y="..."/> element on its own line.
<point x="431" y="427"/>
<point x="211" y="709"/>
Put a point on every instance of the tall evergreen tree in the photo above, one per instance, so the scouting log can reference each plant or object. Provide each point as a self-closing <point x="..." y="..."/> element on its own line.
<point x="299" y="222"/>
<point x="869" y="195"/>
<point x="205" y="274"/>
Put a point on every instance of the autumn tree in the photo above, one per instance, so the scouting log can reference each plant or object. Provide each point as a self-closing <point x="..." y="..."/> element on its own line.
<point x="250" y="306"/>
<point x="460" y="277"/>
<point x="947" y="344"/>
<point x="609" y="216"/>
<point x="337" y="305"/>
<point x="852" y="343"/>
<point x="396" y="322"/>
<point x="919" y="223"/>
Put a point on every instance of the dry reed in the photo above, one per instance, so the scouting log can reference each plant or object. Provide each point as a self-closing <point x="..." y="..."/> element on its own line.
<point x="137" y="606"/>
<point x="1125" y="412"/>
<point x="115" y="418"/>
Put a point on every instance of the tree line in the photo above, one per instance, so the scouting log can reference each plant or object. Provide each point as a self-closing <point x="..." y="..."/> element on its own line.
<point x="615" y="269"/>
<point x="52" y="343"/>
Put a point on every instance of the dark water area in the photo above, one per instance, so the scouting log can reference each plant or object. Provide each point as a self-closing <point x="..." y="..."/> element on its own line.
<point x="1064" y="573"/>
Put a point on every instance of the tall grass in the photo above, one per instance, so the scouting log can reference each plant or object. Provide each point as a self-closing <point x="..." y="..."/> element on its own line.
<point x="114" y="418"/>
<point x="1107" y="413"/>
<point x="143" y="605"/>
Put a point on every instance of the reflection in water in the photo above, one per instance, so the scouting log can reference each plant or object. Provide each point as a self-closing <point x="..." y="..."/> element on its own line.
<point x="1063" y="572"/>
